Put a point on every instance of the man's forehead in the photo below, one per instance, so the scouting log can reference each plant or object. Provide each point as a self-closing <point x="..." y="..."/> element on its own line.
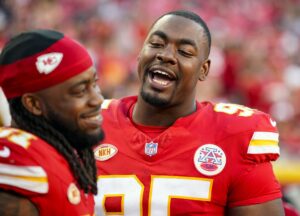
<point x="178" y="28"/>
<point x="88" y="74"/>
<point x="176" y="24"/>
<point x="83" y="77"/>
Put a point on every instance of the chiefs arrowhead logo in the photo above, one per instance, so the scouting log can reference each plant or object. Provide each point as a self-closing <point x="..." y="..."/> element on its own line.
<point x="48" y="62"/>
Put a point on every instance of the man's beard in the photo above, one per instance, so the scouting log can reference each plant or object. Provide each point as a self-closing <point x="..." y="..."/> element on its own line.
<point x="152" y="100"/>
<point x="79" y="139"/>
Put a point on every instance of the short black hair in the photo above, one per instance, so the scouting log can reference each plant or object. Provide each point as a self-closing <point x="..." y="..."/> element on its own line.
<point x="192" y="16"/>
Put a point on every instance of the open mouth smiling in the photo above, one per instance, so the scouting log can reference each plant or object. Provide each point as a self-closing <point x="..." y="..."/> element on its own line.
<point x="160" y="78"/>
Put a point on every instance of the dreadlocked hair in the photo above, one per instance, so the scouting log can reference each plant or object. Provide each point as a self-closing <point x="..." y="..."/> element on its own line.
<point x="82" y="164"/>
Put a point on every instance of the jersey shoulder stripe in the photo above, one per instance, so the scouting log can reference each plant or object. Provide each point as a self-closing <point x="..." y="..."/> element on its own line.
<point x="264" y="143"/>
<point x="31" y="178"/>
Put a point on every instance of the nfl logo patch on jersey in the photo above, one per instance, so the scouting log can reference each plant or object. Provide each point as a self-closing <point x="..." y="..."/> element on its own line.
<point x="151" y="148"/>
<point x="209" y="159"/>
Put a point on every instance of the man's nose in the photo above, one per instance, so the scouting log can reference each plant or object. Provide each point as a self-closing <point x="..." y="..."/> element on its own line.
<point x="167" y="55"/>
<point x="96" y="98"/>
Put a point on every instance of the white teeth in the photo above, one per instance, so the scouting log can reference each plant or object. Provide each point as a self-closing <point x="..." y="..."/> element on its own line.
<point x="161" y="82"/>
<point x="97" y="117"/>
<point x="162" y="72"/>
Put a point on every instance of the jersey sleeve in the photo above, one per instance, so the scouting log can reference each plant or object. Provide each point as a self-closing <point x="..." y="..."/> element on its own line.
<point x="255" y="185"/>
<point x="19" y="170"/>
<point x="264" y="143"/>
<point x="256" y="182"/>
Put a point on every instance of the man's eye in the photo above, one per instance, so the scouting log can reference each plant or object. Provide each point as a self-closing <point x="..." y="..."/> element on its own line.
<point x="79" y="92"/>
<point x="155" y="44"/>
<point x="185" y="53"/>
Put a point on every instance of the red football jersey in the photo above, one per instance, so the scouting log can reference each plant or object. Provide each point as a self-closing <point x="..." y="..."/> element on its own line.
<point x="32" y="168"/>
<point x="217" y="157"/>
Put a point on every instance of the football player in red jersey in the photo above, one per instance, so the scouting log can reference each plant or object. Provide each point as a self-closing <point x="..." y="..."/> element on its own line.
<point x="47" y="165"/>
<point x="167" y="154"/>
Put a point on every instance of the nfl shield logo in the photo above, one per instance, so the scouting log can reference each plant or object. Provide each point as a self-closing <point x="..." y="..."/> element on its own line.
<point x="151" y="148"/>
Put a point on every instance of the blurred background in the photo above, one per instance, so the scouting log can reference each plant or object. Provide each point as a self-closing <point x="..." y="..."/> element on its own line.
<point x="255" y="53"/>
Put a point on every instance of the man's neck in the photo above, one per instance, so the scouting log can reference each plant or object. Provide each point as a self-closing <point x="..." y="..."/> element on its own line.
<point x="146" y="114"/>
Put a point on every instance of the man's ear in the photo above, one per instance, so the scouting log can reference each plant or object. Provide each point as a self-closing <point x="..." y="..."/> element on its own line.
<point x="32" y="103"/>
<point x="204" y="70"/>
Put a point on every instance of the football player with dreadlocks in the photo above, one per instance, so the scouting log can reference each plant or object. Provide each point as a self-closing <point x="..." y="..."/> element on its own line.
<point x="47" y="165"/>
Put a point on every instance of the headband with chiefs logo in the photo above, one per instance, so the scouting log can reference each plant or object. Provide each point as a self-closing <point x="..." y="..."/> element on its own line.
<point x="36" y="60"/>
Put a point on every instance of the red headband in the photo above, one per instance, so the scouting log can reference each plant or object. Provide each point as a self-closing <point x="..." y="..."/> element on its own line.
<point x="60" y="61"/>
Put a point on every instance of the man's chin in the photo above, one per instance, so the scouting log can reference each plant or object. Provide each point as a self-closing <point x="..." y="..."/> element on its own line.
<point x="86" y="141"/>
<point x="94" y="132"/>
<point x="154" y="100"/>
<point x="77" y="138"/>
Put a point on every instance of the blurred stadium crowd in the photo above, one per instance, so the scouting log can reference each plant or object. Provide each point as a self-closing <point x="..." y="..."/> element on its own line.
<point x="255" y="54"/>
